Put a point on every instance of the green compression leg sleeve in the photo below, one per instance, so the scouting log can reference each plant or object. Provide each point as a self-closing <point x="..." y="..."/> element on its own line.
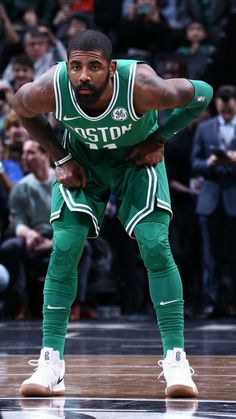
<point x="70" y="232"/>
<point x="164" y="280"/>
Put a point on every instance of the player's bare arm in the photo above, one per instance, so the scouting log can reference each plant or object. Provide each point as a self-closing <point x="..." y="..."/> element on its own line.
<point x="157" y="93"/>
<point x="186" y="98"/>
<point x="31" y="103"/>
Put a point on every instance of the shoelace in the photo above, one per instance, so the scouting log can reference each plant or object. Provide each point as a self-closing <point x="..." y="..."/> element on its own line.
<point x="160" y="363"/>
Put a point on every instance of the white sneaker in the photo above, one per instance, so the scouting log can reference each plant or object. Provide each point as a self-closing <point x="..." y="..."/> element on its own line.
<point x="48" y="378"/>
<point x="177" y="373"/>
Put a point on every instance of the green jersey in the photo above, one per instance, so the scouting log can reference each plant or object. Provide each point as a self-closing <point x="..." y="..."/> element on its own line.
<point x="118" y="126"/>
<point x="100" y="144"/>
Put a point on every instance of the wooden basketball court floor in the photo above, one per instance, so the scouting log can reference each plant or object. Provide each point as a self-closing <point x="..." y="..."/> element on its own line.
<point x="112" y="371"/>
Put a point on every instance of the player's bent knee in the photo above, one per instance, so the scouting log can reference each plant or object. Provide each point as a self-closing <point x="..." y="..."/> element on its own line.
<point x="154" y="245"/>
<point x="66" y="252"/>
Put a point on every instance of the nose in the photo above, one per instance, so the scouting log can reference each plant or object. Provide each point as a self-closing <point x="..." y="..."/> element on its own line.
<point x="84" y="76"/>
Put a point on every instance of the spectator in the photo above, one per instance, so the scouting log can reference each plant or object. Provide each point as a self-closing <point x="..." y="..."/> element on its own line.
<point x="22" y="71"/>
<point x="30" y="201"/>
<point x="61" y="18"/>
<point x="145" y="32"/>
<point x="42" y="47"/>
<point x="5" y="99"/>
<point x="197" y="51"/>
<point x="78" y="22"/>
<point x="18" y="10"/>
<point x="216" y="205"/>
<point x="14" y="137"/>
<point x="10" y="172"/>
<point x="213" y="14"/>
<point x="169" y="9"/>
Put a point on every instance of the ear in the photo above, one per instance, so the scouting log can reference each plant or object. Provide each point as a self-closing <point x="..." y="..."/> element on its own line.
<point x="113" y="67"/>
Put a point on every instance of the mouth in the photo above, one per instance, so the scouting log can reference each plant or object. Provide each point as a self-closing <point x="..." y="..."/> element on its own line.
<point x="85" y="90"/>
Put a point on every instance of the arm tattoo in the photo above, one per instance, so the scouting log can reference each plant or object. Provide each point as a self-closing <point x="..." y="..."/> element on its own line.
<point x="144" y="80"/>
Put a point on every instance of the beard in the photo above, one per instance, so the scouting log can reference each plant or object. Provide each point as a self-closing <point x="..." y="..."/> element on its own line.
<point x="96" y="92"/>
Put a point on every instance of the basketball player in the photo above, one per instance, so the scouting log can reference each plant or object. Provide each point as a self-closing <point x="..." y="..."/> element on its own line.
<point x="112" y="143"/>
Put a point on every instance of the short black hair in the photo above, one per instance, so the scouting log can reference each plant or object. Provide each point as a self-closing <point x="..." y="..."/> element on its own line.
<point x="91" y="40"/>
<point x="23" y="59"/>
<point x="226" y="92"/>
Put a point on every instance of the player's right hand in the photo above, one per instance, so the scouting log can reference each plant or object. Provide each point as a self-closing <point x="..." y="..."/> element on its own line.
<point x="71" y="175"/>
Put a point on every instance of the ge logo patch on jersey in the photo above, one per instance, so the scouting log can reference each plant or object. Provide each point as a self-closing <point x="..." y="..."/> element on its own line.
<point x="201" y="99"/>
<point x="119" y="114"/>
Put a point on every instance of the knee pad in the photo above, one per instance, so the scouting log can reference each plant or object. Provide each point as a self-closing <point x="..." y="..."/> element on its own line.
<point x="154" y="245"/>
<point x="66" y="252"/>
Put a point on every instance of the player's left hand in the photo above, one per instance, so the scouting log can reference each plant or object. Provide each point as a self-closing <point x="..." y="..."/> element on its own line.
<point x="147" y="153"/>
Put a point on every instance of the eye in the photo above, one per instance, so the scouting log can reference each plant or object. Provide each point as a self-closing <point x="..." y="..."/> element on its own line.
<point x="95" y="66"/>
<point x="75" y="67"/>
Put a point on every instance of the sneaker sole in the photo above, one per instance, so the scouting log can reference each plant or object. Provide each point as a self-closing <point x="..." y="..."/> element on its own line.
<point x="35" y="390"/>
<point x="181" y="391"/>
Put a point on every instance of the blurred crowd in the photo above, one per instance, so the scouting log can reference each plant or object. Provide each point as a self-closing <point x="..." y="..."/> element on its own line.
<point x="178" y="38"/>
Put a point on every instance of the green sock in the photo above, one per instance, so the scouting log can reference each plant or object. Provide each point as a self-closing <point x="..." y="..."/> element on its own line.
<point x="166" y="288"/>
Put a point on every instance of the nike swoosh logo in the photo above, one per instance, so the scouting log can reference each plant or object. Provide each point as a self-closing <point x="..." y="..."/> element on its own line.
<point x="60" y="380"/>
<point x="55" y="308"/>
<point x="163" y="303"/>
<point x="68" y="118"/>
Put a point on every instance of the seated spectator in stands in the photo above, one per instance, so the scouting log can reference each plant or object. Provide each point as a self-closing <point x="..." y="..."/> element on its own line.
<point x="173" y="67"/>
<point x="22" y="70"/>
<point x="77" y="22"/>
<point x="213" y="14"/>
<point x="30" y="202"/>
<point x="5" y="99"/>
<point x="196" y="40"/>
<point x="197" y="51"/>
<point x="69" y="8"/>
<point x="42" y="47"/>
<point x="10" y="172"/>
<point x="14" y="137"/>
<point x="61" y="18"/>
<point x="145" y="32"/>
<point x="169" y="9"/>
<point x="17" y="10"/>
